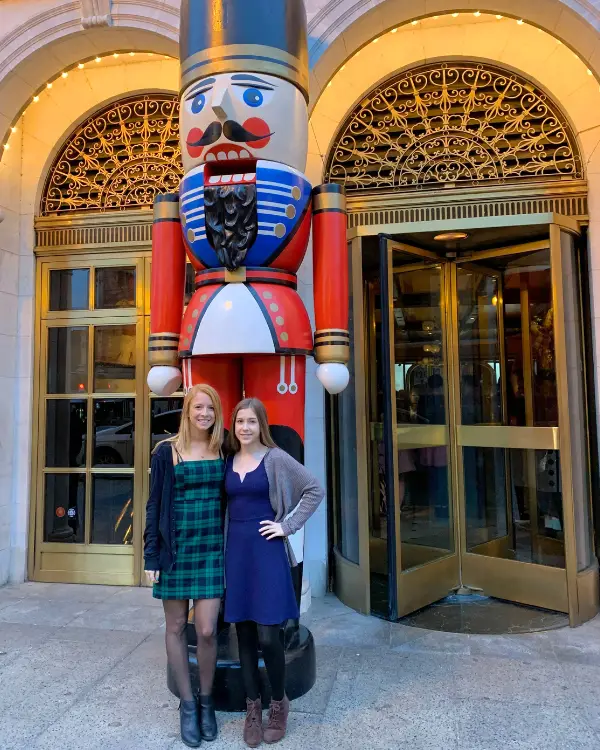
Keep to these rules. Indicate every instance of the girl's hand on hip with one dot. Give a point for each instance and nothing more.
(271, 530)
(153, 575)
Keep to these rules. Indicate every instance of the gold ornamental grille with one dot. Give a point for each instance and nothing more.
(453, 124)
(118, 159)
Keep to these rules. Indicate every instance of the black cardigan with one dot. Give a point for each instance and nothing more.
(158, 535)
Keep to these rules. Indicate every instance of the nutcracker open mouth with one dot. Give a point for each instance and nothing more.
(229, 164)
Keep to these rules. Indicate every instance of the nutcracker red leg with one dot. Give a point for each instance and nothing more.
(224, 374)
(279, 382)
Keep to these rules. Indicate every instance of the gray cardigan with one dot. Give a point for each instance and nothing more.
(294, 493)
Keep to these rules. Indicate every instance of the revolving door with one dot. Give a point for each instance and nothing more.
(468, 360)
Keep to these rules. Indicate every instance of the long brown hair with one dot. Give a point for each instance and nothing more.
(182, 440)
(258, 408)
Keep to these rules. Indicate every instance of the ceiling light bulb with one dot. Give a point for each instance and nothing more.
(499, 18)
(65, 74)
(590, 72)
(115, 54)
(375, 40)
(48, 85)
(477, 13)
(36, 98)
(455, 15)
(394, 31)
(98, 59)
(13, 129)
(6, 146)
(81, 66)
(414, 23)
(131, 54)
(520, 21)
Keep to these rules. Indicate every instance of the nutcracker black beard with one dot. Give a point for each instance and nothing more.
(231, 222)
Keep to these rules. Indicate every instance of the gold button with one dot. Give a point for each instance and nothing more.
(274, 307)
(191, 235)
(279, 320)
(284, 337)
(195, 313)
(268, 295)
(186, 342)
(290, 212)
(203, 298)
(296, 193)
(190, 329)
(183, 219)
(280, 230)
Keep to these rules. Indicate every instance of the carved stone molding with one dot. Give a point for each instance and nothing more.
(96, 13)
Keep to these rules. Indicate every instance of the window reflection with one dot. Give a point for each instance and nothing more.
(114, 288)
(68, 360)
(114, 432)
(112, 509)
(69, 289)
(114, 359)
(66, 427)
(64, 508)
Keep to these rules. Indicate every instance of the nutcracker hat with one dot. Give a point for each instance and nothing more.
(244, 36)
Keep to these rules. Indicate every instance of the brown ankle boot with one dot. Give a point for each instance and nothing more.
(253, 731)
(278, 716)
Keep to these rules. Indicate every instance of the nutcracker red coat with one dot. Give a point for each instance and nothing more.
(243, 217)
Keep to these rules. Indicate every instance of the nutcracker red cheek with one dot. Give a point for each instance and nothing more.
(194, 136)
(258, 127)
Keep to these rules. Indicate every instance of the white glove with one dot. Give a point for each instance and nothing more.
(163, 381)
(334, 376)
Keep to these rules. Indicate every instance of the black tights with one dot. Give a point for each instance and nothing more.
(206, 613)
(270, 637)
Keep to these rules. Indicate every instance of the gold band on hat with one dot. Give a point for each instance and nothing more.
(166, 210)
(250, 58)
(325, 201)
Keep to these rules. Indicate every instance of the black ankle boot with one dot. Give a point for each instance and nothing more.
(208, 720)
(188, 720)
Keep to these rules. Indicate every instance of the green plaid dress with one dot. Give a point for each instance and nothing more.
(197, 572)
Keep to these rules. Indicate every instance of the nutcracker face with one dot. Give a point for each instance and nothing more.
(229, 121)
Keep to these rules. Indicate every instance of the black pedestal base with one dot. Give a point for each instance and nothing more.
(228, 693)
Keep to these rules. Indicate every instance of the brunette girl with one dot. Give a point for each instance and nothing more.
(183, 549)
(269, 497)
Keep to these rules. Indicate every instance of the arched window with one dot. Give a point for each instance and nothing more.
(120, 158)
(453, 124)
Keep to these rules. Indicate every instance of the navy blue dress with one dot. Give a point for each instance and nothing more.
(257, 571)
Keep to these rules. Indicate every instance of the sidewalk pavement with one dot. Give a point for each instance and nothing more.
(83, 668)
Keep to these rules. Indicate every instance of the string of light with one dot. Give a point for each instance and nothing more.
(477, 14)
(89, 62)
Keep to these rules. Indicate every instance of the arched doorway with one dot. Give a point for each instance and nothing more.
(95, 423)
(465, 186)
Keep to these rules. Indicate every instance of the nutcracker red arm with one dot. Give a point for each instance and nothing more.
(168, 282)
(330, 269)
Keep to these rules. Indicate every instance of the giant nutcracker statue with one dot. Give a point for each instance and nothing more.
(243, 216)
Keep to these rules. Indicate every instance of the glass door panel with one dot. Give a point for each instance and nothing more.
(412, 439)
(91, 357)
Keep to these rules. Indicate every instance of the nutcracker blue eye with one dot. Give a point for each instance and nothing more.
(253, 97)
(198, 103)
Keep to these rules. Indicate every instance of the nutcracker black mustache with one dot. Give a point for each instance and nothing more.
(232, 130)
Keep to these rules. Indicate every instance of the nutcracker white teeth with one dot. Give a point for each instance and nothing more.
(243, 215)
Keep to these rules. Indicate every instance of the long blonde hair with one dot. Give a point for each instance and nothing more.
(258, 408)
(183, 439)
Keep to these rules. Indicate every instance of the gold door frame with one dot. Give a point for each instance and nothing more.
(88, 563)
(568, 589)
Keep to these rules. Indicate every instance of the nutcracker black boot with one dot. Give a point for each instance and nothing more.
(188, 720)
